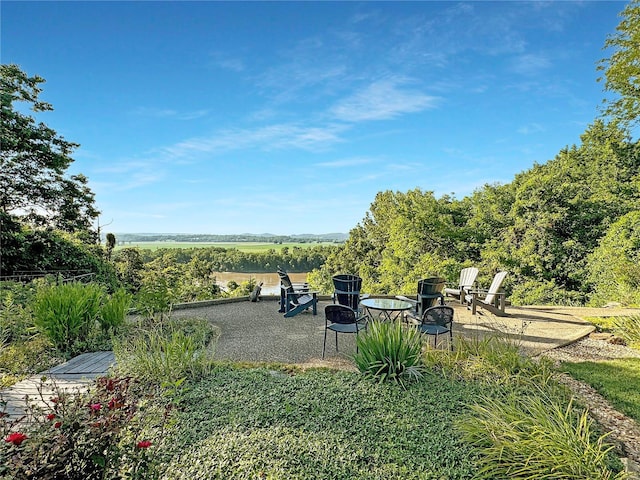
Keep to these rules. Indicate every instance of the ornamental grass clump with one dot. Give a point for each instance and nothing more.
(389, 352)
(113, 311)
(534, 437)
(489, 359)
(166, 353)
(628, 328)
(68, 312)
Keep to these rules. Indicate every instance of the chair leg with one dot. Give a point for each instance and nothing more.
(324, 344)
(336, 341)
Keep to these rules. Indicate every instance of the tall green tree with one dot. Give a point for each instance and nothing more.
(622, 68)
(562, 208)
(404, 237)
(34, 160)
(614, 266)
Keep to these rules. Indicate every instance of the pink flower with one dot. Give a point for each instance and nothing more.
(16, 438)
(57, 425)
(95, 407)
(51, 416)
(144, 444)
(113, 403)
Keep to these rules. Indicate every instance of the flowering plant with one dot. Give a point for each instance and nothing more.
(85, 436)
(16, 438)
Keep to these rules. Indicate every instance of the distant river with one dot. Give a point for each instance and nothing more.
(271, 281)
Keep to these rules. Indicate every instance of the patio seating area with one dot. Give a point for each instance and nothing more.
(257, 332)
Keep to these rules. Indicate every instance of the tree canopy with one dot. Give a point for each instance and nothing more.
(34, 160)
(543, 228)
(622, 68)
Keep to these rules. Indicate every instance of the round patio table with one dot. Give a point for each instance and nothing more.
(385, 308)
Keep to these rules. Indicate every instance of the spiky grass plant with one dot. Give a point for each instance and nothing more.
(67, 313)
(489, 358)
(164, 355)
(114, 310)
(628, 328)
(389, 352)
(535, 437)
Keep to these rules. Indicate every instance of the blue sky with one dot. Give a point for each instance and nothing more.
(234, 117)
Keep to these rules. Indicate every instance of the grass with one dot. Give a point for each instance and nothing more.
(535, 436)
(616, 380)
(242, 246)
(167, 352)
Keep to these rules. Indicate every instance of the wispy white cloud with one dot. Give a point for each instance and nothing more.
(169, 113)
(279, 136)
(346, 162)
(530, 64)
(233, 64)
(139, 179)
(531, 128)
(382, 100)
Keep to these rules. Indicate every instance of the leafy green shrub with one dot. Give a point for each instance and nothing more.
(387, 351)
(534, 292)
(532, 437)
(628, 328)
(614, 266)
(68, 312)
(21, 359)
(165, 353)
(114, 310)
(102, 435)
(154, 298)
(16, 320)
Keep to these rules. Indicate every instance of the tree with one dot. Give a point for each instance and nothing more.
(34, 160)
(622, 68)
(614, 266)
(562, 208)
(111, 244)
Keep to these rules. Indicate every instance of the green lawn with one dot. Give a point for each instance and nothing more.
(616, 380)
(242, 246)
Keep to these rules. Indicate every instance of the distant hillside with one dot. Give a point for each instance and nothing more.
(242, 237)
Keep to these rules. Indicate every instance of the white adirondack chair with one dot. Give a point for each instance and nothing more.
(465, 284)
(492, 299)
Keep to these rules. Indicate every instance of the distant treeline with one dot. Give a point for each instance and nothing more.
(189, 274)
(244, 237)
(215, 259)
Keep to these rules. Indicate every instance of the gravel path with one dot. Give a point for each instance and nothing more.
(624, 430)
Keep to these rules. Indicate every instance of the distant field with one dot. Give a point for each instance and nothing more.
(242, 246)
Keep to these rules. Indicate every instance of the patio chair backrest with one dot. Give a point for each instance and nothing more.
(340, 314)
(429, 291)
(285, 281)
(468, 277)
(496, 284)
(347, 289)
(441, 315)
